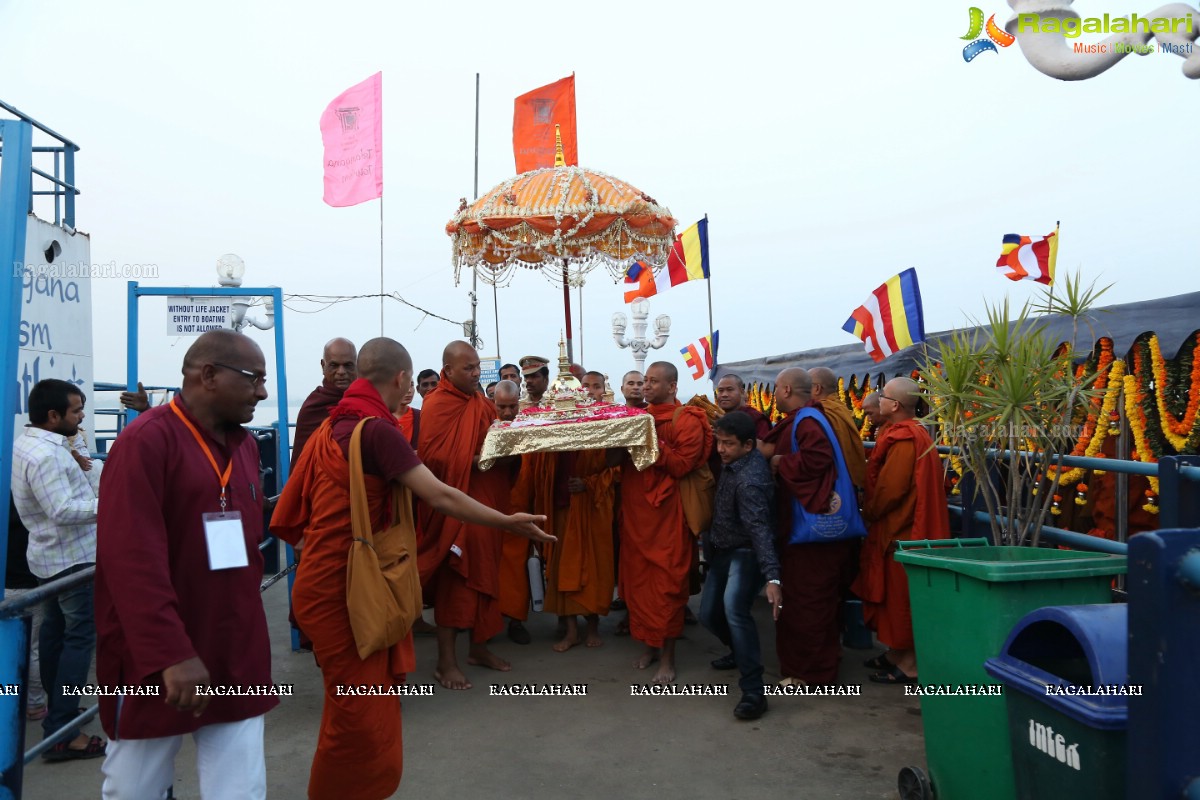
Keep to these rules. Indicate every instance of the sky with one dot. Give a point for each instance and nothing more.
(830, 149)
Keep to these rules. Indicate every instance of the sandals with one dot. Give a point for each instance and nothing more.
(879, 662)
(894, 676)
(61, 752)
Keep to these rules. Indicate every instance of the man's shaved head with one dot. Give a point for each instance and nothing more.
(593, 384)
(224, 376)
(507, 400)
(338, 344)
(382, 359)
(338, 363)
(824, 382)
(731, 393)
(903, 394)
(870, 406)
(461, 365)
(662, 380)
(793, 390)
(222, 345)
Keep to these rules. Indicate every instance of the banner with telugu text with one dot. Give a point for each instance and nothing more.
(352, 131)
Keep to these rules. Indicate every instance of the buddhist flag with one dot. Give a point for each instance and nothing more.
(352, 130)
(701, 357)
(892, 318)
(688, 261)
(534, 116)
(1029, 257)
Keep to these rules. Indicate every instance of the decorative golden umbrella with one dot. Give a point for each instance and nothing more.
(564, 221)
(560, 217)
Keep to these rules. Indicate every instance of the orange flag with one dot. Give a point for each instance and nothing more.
(534, 116)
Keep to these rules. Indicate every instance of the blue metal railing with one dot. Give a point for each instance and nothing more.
(64, 191)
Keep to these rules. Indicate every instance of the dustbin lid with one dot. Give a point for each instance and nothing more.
(1089, 643)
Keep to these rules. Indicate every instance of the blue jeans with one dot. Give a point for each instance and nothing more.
(66, 644)
(732, 583)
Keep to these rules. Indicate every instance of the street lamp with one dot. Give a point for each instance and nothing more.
(230, 270)
(638, 343)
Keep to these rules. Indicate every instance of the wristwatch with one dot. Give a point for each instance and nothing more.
(774, 581)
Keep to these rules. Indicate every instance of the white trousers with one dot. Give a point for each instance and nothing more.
(229, 758)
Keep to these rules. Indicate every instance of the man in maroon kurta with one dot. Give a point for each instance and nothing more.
(338, 368)
(167, 617)
(812, 576)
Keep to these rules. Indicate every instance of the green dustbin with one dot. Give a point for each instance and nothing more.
(966, 596)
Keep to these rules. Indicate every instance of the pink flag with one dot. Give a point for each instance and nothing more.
(352, 130)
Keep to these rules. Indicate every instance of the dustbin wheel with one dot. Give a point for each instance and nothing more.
(913, 784)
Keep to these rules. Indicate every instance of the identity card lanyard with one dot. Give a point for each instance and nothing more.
(223, 530)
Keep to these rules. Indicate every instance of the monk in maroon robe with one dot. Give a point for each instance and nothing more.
(167, 616)
(812, 576)
(338, 366)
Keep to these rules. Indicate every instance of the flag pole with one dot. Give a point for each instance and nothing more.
(708, 281)
(381, 262)
(475, 269)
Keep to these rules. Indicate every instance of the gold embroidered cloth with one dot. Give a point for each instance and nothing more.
(635, 433)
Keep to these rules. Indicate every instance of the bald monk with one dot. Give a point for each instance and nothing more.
(409, 418)
(870, 406)
(514, 556)
(813, 575)
(579, 568)
(840, 418)
(656, 545)
(632, 389)
(359, 749)
(338, 371)
(905, 500)
(460, 570)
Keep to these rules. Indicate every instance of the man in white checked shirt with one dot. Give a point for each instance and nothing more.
(57, 504)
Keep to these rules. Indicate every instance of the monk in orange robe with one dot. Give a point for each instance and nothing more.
(656, 545)
(359, 748)
(514, 553)
(460, 569)
(579, 568)
(905, 501)
(409, 419)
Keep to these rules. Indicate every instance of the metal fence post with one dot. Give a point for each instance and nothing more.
(1178, 497)
(1164, 648)
(14, 663)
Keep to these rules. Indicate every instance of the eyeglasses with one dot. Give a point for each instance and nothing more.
(256, 379)
(883, 396)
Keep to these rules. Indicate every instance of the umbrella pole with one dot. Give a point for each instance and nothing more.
(567, 310)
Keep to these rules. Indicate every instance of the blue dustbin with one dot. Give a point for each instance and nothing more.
(1064, 673)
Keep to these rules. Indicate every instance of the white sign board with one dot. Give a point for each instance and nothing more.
(192, 316)
(489, 371)
(55, 335)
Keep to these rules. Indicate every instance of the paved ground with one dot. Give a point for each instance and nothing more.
(465, 745)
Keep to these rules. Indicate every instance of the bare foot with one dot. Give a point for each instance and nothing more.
(482, 657)
(451, 678)
(567, 643)
(646, 658)
(665, 674)
(593, 631)
(594, 640)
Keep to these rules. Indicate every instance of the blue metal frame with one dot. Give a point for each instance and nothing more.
(282, 438)
(131, 351)
(16, 178)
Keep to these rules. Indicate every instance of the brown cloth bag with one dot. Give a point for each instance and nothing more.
(698, 491)
(383, 586)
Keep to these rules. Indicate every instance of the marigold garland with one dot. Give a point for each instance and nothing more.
(1181, 431)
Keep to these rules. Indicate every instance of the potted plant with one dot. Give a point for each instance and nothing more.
(1007, 385)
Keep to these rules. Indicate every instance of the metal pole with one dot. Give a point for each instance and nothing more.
(567, 310)
(581, 323)
(16, 187)
(380, 266)
(496, 313)
(131, 345)
(475, 269)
